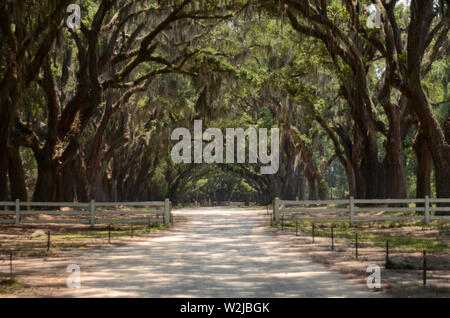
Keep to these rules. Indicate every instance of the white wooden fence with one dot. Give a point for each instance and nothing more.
(348, 210)
(87, 213)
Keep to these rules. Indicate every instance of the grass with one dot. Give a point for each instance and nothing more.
(116, 232)
(376, 235)
(24, 245)
(10, 285)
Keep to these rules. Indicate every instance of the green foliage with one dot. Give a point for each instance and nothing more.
(248, 69)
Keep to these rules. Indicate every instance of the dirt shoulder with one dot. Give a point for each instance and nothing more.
(41, 273)
(406, 280)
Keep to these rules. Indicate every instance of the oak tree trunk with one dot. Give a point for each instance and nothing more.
(16, 175)
(46, 184)
(424, 166)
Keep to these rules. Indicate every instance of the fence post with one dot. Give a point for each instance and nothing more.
(424, 267)
(352, 211)
(48, 241)
(427, 210)
(166, 212)
(171, 215)
(92, 213)
(10, 265)
(276, 210)
(388, 262)
(332, 238)
(17, 212)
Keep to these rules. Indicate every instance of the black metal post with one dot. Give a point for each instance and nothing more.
(424, 267)
(282, 222)
(387, 255)
(356, 245)
(109, 234)
(48, 241)
(11, 265)
(332, 238)
(313, 232)
(296, 227)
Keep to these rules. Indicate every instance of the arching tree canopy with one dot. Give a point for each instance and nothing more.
(87, 113)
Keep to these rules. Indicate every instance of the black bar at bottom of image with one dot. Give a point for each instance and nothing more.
(219, 307)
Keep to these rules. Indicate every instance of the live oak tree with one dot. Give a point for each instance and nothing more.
(340, 25)
(115, 55)
(89, 111)
(28, 30)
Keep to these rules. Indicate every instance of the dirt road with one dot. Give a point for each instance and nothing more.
(220, 252)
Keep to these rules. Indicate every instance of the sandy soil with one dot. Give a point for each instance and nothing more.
(404, 282)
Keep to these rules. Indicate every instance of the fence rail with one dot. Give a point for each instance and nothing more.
(88, 212)
(352, 207)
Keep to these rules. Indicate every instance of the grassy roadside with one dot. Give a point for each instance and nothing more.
(29, 244)
(32, 241)
(402, 276)
(402, 236)
(10, 286)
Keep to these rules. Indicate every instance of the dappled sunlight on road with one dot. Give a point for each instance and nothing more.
(220, 252)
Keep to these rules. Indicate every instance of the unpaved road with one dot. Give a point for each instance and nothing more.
(220, 252)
